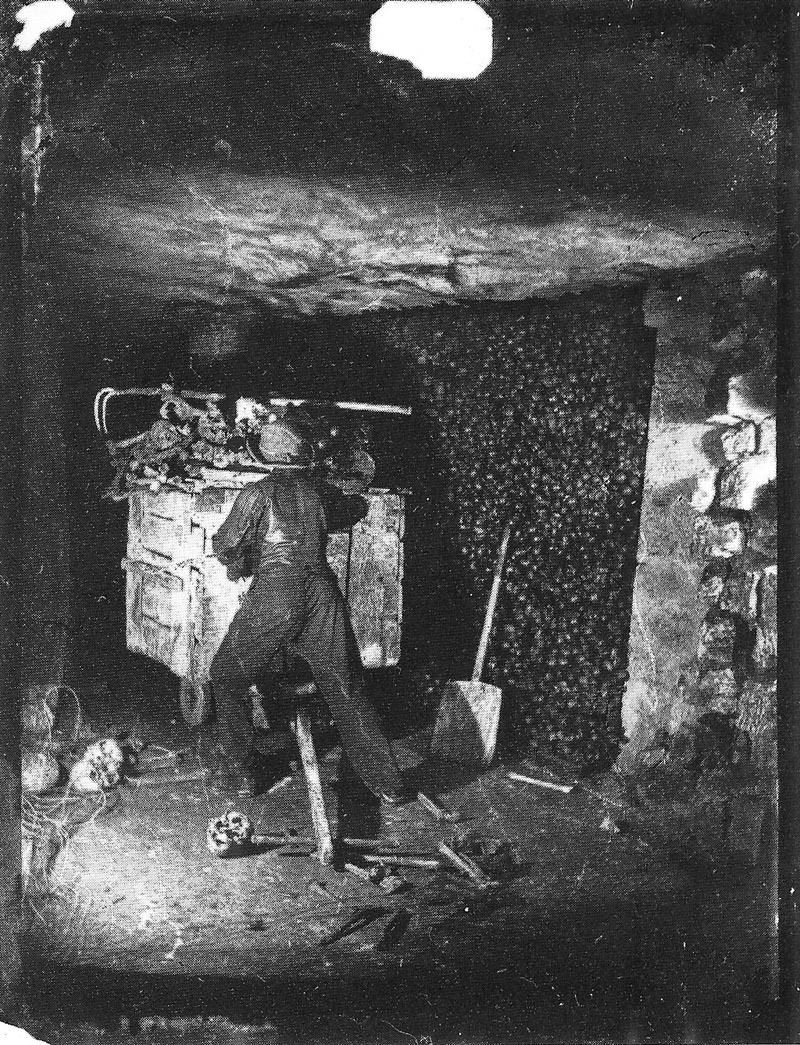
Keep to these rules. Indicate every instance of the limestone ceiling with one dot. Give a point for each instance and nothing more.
(297, 245)
(212, 170)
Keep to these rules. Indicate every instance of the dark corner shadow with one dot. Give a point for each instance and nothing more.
(359, 810)
(434, 775)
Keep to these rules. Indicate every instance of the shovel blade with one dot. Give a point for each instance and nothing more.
(466, 723)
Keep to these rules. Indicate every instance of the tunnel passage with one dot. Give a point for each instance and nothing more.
(534, 412)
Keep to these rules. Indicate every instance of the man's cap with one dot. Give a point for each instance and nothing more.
(278, 441)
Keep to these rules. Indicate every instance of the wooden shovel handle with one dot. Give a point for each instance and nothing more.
(483, 645)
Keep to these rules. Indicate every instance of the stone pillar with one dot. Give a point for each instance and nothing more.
(704, 633)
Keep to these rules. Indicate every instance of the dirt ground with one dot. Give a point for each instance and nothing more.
(597, 935)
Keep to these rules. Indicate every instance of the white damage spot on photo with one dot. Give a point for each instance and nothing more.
(17, 1036)
(444, 39)
(40, 17)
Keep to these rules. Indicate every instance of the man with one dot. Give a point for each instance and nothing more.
(277, 530)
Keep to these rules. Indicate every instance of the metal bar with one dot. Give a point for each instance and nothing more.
(374, 408)
(99, 410)
(103, 396)
(187, 394)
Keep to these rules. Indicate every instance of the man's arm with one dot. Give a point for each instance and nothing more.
(234, 541)
(342, 511)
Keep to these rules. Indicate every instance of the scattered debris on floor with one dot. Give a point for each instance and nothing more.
(405, 860)
(466, 865)
(437, 811)
(496, 857)
(407, 885)
(358, 920)
(548, 784)
(608, 823)
(394, 930)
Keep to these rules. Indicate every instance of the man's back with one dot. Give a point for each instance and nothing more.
(278, 520)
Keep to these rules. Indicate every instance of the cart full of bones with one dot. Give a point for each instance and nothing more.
(181, 477)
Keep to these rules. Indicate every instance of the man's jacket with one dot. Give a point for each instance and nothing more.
(283, 520)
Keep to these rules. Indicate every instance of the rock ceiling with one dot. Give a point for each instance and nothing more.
(223, 180)
(300, 245)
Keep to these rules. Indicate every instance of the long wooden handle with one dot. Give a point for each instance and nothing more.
(319, 818)
(483, 645)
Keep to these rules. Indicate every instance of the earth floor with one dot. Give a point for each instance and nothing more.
(597, 936)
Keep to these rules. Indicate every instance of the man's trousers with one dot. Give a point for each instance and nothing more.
(300, 609)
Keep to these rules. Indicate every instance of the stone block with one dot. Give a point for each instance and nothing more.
(719, 683)
(720, 536)
(739, 441)
(709, 658)
(765, 649)
(725, 639)
(758, 717)
(723, 705)
(768, 597)
(763, 535)
(766, 436)
(740, 594)
(718, 630)
(705, 490)
(745, 826)
(741, 483)
(714, 579)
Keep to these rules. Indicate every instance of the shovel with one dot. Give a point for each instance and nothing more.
(469, 712)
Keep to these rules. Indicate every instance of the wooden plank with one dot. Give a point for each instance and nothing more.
(366, 585)
(393, 580)
(135, 639)
(158, 615)
(135, 502)
(161, 537)
(375, 580)
(217, 602)
(159, 527)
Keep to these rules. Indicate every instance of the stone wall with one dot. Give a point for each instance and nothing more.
(703, 633)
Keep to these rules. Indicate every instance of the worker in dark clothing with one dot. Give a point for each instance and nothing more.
(277, 530)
